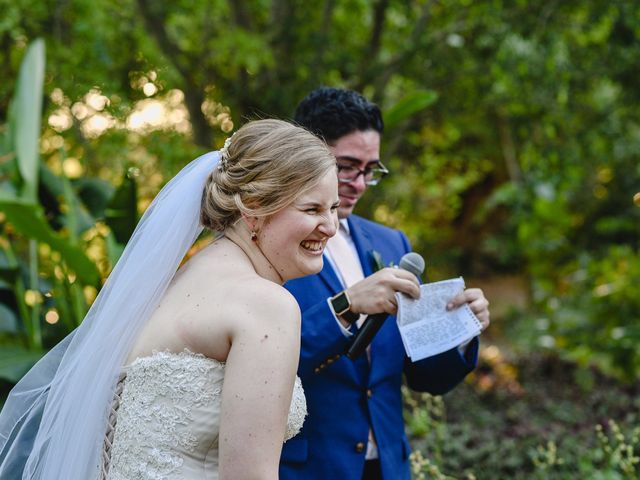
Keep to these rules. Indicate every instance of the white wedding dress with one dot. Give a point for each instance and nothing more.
(166, 419)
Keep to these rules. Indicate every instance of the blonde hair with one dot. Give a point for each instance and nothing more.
(265, 166)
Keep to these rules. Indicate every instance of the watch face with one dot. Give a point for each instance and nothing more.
(340, 303)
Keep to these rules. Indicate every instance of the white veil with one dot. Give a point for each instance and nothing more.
(53, 423)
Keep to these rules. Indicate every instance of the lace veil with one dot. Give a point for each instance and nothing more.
(52, 425)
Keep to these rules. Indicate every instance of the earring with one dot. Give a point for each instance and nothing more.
(254, 236)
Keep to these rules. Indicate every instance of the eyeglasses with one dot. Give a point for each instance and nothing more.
(348, 173)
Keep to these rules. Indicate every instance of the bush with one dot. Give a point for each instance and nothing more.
(590, 314)
(537, 424)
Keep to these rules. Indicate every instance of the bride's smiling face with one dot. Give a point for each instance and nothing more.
(293, 239)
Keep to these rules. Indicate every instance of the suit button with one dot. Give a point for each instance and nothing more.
(316, 370)
(369, 393)
(360, 447)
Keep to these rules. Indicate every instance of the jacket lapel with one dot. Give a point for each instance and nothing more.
(330, 277)
(362, 241)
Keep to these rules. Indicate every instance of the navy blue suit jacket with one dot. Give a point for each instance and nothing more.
(345, 397)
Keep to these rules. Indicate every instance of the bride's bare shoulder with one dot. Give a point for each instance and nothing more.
(222, 271)
(258, 297)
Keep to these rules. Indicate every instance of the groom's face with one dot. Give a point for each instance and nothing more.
(360, 150)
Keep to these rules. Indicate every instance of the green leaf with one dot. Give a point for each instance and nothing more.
(95, 194)
(76, 218)
(9, 274)
(8, 319)
(376, 260)
(122, 211)
(30, 221)
(16, 361)
(114, 249)
(408, 106)
(86, 199)
(26, 111)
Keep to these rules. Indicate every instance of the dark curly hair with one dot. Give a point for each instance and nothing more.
(332, 113)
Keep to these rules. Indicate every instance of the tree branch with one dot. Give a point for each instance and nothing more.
(380, 76)
(154, 21)
(508, 148)
(240, 14)
(371, 56)
(284, 28)
(379, 11)
(322, 39)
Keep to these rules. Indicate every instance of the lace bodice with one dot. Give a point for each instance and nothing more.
(168, 418)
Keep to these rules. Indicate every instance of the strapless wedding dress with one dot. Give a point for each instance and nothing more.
(166, 419)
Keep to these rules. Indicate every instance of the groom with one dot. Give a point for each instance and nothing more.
(355, 428)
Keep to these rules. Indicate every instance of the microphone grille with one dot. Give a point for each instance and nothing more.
(412, 262)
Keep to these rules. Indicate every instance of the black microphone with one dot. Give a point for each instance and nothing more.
(411, 262)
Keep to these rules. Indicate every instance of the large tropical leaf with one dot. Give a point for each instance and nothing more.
(114, 248)
(85, 198)
(76, 218)
(8, 273)
(122, 211)
(16, 361)
(408, 106)
(26, 113)
(8, 319)
(30, 221)
(95, 194)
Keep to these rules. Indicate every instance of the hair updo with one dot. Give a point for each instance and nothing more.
(264, 167)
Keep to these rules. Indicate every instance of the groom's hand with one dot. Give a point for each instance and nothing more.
(376, 293)
(476, 300)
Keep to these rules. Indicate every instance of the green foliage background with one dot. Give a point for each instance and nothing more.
(512, 135)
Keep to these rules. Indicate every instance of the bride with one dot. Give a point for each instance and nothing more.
(189, 373)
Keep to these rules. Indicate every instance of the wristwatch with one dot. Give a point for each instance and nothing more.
(342, 307)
